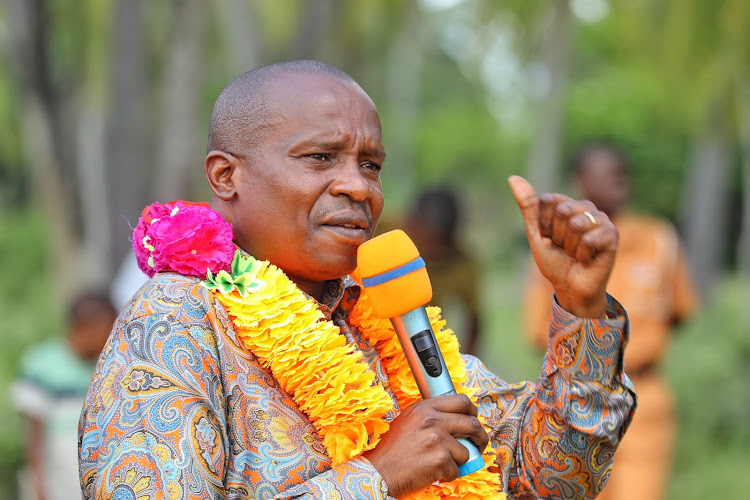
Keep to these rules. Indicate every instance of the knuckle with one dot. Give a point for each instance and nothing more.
(577, 223)
(432, 439)
(589, 239)
(429, 422)
(450, 471)
(423, 409)
(477, 428)
(443, 457)
(565, 208)
(546, 198)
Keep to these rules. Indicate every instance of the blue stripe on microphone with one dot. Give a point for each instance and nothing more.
(393, 274)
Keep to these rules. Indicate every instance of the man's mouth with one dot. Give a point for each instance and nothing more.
(354, 228)
(350, 226)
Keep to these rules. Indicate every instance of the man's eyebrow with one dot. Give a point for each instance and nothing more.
(377, 152)
(318, 141)
(328, 142)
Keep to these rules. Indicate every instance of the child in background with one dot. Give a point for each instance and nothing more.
(53, 381)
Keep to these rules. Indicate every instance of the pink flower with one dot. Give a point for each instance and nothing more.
(187, 238)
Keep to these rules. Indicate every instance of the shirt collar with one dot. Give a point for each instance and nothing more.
(339, 297)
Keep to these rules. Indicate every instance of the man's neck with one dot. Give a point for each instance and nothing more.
(314, 289)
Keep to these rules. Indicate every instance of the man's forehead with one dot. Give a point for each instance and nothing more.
(296, 86)
(299, 100)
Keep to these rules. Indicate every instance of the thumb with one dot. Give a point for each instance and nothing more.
(528, 202)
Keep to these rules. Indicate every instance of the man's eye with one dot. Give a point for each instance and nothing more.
(320, 156)
(372, 166)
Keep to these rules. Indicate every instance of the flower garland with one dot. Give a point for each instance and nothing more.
(327, 378)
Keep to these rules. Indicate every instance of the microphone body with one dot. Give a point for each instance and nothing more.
(396, 281)
(423, 353)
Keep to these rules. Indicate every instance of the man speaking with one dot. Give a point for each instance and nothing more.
(252, 366)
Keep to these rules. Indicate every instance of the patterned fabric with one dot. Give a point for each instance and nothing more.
(650, 277)
(177, 409)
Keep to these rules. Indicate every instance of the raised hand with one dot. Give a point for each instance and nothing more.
(573, 244)
(421, 447)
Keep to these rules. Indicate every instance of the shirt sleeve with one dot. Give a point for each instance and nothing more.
(556, 439)
(354, 479)
(30, 399)
(153, 423)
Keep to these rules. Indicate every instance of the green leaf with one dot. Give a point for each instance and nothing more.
(243, 280)
(242, 289)
(236, 263)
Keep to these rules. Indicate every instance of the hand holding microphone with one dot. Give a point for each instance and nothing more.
(439, 438)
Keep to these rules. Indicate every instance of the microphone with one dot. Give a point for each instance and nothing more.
(396, 281)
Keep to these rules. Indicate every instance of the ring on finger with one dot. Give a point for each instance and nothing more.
(591, 217)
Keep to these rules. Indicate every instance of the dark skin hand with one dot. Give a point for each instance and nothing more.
(576, 254)
(421, 447)
(573, 252)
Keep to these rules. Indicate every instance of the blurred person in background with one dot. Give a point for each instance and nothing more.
(53, 381)
(433, 224)
(651, 278)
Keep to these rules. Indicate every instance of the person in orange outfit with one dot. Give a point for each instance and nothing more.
(652, 280)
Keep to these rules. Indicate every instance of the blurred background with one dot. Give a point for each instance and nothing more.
(104, 106)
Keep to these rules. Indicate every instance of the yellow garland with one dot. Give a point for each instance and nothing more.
(330, 380)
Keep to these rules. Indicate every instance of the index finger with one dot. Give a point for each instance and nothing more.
(454, 403)
(528, 202)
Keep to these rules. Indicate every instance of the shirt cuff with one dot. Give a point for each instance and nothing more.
(356, 478)
(588, 349)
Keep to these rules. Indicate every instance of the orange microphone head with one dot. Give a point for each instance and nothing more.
(393, 274)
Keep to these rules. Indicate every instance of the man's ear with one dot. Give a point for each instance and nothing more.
(221, 170)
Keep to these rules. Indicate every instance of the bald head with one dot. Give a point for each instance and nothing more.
(242, 110)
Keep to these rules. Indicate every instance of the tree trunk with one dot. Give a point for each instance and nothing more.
(743, 244)
(182, 135)
(403, 75)
(545, 158)
(316, 24)
(128, 141)
(93, 193)
(242, 44)
(29, 36)
(706, 208)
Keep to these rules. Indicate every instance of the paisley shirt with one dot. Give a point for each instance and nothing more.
(178, 409)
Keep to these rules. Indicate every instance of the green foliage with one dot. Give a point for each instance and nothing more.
(29, 314)
(708, 367)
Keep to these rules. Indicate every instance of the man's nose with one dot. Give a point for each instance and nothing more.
(350, 180)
